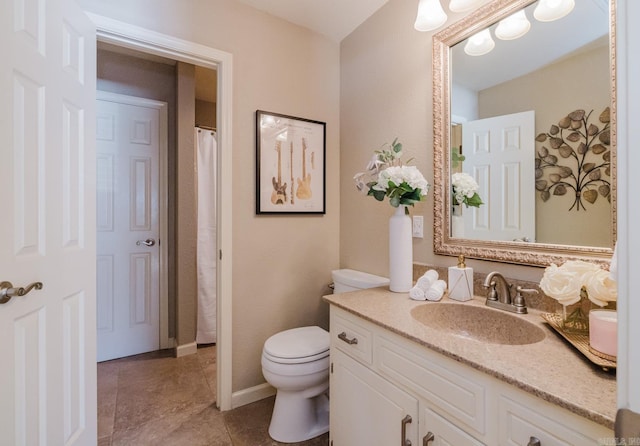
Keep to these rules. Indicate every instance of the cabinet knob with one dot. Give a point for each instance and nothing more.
(533, 441)
(406, 420)
(428, 438)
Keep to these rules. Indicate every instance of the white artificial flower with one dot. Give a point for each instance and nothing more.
(464, 186)
(564, 283)
(385, 168)
(402, 174)
(601, 289)
(561, 285)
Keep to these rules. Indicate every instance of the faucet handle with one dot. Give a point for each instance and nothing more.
(492, 294)
(518, 301)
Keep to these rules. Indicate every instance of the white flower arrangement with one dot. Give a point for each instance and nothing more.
(387, 176)
(465, 190)
(576, 279)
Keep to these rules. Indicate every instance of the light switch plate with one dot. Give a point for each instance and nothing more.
(418, 226)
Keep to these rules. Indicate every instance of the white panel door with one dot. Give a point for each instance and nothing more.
(47, 229)
(499, 153)
(128, 258)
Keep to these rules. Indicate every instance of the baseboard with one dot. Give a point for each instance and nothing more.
(251, 395)
(186, 349)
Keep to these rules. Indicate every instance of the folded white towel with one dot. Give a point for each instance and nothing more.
(432, 275)
(424, 283)
(436, 291)
(417, 293)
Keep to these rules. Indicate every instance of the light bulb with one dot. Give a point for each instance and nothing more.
(550, 10)
(430, 15)
(514, 26)
(462, 5)
(479, 44)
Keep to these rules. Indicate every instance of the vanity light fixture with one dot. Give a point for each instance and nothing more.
(513, 27)
(430, 15)
(479, 44)
(550, 10)
(462, 5)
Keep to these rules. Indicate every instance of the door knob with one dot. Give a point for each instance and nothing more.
(147, 242)
(7, 291)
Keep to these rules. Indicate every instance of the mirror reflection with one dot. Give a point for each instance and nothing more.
(530, 123)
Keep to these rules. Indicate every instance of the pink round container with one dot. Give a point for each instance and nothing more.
(603, 331)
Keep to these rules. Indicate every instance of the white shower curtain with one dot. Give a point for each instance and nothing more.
(206, 149)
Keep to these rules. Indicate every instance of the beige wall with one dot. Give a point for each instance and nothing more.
(206, 113)
(281, 264)
(579, 82)
(186, 212)
(386, 86)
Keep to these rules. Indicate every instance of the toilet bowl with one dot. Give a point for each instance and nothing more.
(296, 363)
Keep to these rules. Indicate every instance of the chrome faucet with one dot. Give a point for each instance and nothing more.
(499, 294)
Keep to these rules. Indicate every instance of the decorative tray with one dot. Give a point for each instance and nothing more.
(581, 342)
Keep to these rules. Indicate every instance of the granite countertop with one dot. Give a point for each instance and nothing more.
(550, 369)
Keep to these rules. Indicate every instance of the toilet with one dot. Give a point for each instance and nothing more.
(296, 363)
(345, 280)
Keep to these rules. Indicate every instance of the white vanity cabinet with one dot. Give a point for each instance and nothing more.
(370, 410)
(388, 390)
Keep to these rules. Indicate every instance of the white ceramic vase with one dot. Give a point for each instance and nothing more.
(400, 252)
(457, 222)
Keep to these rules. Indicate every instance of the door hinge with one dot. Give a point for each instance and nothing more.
(220, 254)
(332, 367)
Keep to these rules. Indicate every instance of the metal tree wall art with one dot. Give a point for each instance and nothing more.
(577, 159)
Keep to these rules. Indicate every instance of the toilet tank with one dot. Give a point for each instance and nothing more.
(350, 280)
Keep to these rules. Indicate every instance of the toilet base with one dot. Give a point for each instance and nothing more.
(296, 418)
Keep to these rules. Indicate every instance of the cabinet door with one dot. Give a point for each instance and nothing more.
(367, 409)
(522, 417)
(441, 431)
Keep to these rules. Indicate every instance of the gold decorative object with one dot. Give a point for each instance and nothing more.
(579, 341)
(570, 157)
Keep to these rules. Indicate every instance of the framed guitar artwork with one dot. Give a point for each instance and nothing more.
(290, 164)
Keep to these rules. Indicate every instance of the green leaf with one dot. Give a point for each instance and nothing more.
(394, 201)
(474, 201)
(377, 194)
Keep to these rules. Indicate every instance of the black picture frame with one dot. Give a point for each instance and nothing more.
(290, 164)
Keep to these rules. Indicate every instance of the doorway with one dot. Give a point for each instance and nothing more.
(128, 36)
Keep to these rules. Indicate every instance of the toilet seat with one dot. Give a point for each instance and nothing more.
(297, 345)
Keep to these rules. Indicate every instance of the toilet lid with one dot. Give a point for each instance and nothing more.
(300, 342)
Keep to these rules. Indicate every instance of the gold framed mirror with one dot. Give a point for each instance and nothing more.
(570, 199)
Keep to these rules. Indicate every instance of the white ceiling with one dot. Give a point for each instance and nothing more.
(335, 19)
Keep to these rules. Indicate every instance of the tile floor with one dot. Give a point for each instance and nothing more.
(154, 399)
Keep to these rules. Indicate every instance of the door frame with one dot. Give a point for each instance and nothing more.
(140, 39)
(163, 282)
